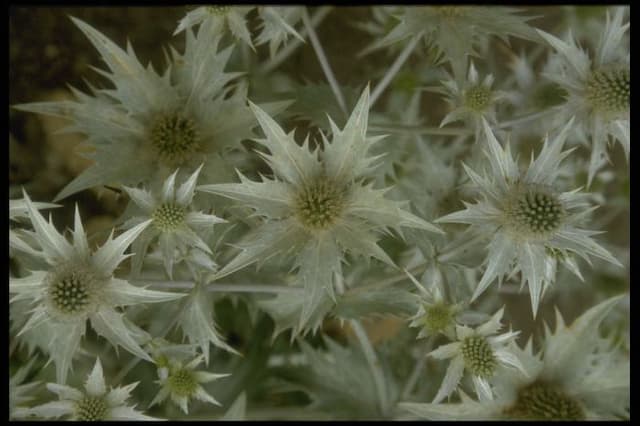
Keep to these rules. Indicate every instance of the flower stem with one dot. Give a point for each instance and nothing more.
(326, 68)
(217, 287)
(374, 364)
(393, 70)
(525, 118)
(413, 378)
(291, 47)
(425, 130)
(455, 251)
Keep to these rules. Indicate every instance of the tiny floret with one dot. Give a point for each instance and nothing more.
(91, 408)
(542, 401)
(73, 290)
(438, 317)
(478, 356)
(168, 216)
(182, 382)
(478, 97)
(174, 137)
(320, 204)
(533, 211)
(218, 10)
(609, 90)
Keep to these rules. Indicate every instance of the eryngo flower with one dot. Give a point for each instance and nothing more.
(456, 31)
(435, 314)
(532, 225)
(77, 286)
(95, 403)
(471, 100)
(317, 205)
(150, 123)
(174, 222)
(182, 382)
(277, 23)
(575, 376)
(479, 352)
(599, 88)
(220, 17)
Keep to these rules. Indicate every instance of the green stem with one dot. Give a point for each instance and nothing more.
(417, 371)
(374, 365)
(217, 287)
(393, 70)
(456, 250)
(413, 378)
(324, 63)
(526, 118)
(425, 130)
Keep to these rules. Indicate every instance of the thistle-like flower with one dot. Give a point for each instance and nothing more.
(182, 383)
(599, 88)
(317, 205)
(220, 17)
(575, 376)
(531, 224)
(150, 124)
(277, 25)
(78, 286)
(456, 31)
(435, 315)
(471, 101)
(92, 404)
(174, 222)
(478, 352)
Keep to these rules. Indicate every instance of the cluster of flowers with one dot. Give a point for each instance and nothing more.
(323, 207)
